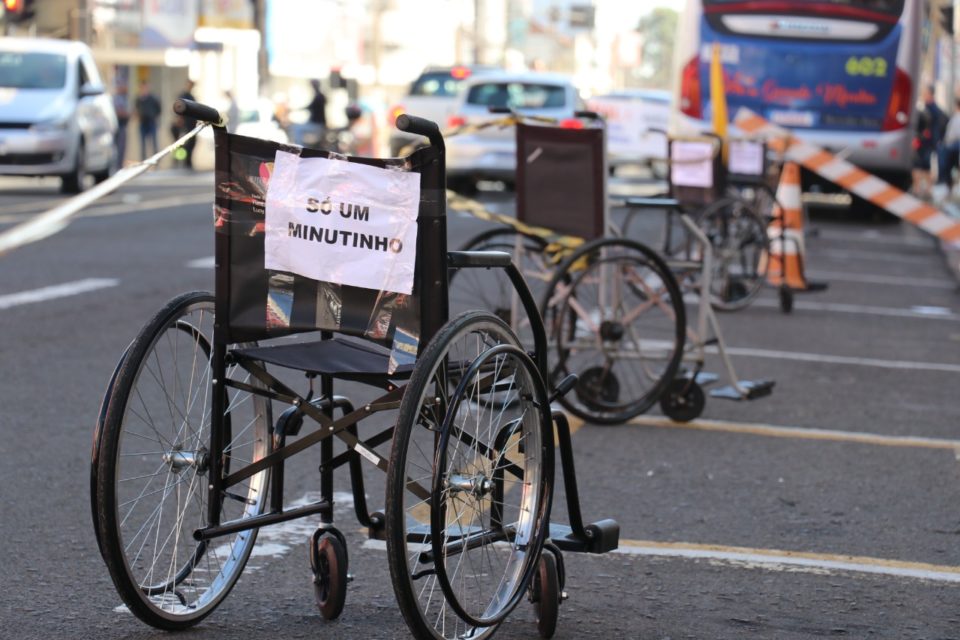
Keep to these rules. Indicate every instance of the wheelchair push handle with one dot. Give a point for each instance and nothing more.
(421, 127)
(197, 111)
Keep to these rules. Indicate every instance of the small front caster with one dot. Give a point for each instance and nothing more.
(683, 400)
(545, 595)
(328, 559)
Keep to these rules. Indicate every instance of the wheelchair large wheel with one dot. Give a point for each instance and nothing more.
(470, 481)
(738, 235)
(491, 289)
(616, 319)
(153, 462)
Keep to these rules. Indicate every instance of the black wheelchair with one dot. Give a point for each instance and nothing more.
(219, 389)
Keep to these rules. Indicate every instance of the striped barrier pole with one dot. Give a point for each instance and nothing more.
(856, 181)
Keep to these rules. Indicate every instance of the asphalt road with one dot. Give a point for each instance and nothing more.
(827, 509)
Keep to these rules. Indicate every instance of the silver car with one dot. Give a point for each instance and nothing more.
(55, 117)
(490, 154)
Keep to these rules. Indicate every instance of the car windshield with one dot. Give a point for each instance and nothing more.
(439, 83)
(22, 70)
(517, 95)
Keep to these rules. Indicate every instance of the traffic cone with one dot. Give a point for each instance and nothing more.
(784, 260)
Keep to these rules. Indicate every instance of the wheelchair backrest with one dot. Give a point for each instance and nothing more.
(254, 302)
(561, 179)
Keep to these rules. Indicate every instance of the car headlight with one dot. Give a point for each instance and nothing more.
(56, 125)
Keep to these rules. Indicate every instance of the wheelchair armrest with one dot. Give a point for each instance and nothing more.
(468, 259)
(655, 202)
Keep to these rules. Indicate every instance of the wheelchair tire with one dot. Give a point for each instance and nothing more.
(452, 578)
(491, 289)
(153, 458)
(615, 316)
(738, 235)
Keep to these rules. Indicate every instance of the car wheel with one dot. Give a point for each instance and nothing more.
(73, 182)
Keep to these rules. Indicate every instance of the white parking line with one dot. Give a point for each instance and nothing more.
(56, 291)
(865, 278)
(822, 358)
(202, 263)
(926, 313)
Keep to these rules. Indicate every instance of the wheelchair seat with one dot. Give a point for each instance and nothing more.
(340, 357)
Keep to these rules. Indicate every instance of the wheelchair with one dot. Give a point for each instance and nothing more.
(218, 390)
(614, 312)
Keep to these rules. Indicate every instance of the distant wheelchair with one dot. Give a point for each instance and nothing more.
(218, 390)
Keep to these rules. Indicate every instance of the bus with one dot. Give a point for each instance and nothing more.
(840, 74)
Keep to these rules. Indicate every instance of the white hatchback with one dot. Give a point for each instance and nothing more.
(55, 117)
(490, 153)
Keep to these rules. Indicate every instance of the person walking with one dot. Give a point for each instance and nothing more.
(121, 105)
(317, 124)
(147, 107)
(931, 123)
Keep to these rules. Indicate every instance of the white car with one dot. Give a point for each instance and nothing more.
(55, 117)
(490, 154)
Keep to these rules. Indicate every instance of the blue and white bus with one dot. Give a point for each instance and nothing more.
(842, 74)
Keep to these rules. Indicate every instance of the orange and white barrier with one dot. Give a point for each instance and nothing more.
(783, 263)
(855, 180)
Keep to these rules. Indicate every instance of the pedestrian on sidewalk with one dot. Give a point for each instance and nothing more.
(121, 105)
(147, 107)
(931, 123)
(948, 156)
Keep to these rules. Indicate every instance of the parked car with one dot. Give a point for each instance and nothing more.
(637, 122)
(55, 117)
(490, 154)
(432, 96)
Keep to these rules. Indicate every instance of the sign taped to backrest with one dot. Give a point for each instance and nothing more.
(342, 222)
(261, 302)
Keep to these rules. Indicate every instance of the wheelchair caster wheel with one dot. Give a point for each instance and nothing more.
(683, 400)
(329, 564)
(545, 595)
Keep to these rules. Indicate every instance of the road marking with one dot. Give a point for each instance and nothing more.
(820, 358)
(839, 276)
(927, 313)
(203, 263)
(147, 205)
(56, 291)
(792, 560)
(800, 433)
(774, 559)
(884, 256)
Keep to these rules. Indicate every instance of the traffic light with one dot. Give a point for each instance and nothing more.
(946, 18)
(18, 10)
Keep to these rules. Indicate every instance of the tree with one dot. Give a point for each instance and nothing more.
(658, 30)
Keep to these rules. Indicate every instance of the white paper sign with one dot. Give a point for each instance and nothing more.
(691, 163)
(746, 157)
(342, 222)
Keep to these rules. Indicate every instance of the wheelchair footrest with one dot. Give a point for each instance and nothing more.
(602, 536)
(754, 389)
